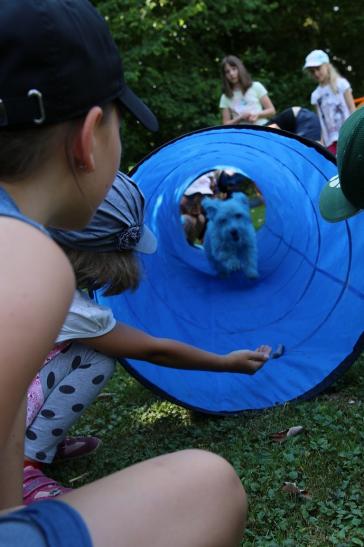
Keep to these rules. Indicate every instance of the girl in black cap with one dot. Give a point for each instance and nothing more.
(60, 87)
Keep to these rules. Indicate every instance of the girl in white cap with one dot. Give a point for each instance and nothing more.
(333, 97)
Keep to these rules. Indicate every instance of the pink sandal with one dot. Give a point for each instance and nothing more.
(37, 486)
(76, 447)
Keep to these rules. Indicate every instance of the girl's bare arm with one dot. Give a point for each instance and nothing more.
(267, 112)
(226, 117)
(125, 341)
(350, 100)
(36, 287)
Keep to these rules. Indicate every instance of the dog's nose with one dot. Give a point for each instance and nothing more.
(234, 234)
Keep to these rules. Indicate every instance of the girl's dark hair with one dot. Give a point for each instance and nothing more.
(235, 182)
(24, 150)
(244, 77)
(115, 271)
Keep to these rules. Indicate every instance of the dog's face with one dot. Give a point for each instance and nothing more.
(230, 240)
(229, 217)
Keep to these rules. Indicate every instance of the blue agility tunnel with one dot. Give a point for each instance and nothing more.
(309, 296)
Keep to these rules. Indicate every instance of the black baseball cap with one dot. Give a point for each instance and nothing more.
(286, 120)
(58, 60)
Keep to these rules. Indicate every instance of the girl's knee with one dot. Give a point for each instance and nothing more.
(208, 460)
(219, 471)
(214, 478)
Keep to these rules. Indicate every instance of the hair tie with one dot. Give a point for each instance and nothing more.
(127, 239)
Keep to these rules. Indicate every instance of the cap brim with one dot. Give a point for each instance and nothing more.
(136, 107)
(333, 204)
(147, 243)
(311, 65)
(206, 192)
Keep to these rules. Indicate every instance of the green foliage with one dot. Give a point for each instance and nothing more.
(172, 51)
(327, 460)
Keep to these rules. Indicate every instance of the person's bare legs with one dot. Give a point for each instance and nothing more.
(190, 498)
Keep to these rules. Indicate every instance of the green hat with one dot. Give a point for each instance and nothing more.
(343, 196)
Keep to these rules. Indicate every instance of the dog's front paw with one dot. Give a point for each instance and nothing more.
(251, 274)
(232, 265)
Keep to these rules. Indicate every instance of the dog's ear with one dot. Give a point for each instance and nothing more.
(240, 197)
(210, 207)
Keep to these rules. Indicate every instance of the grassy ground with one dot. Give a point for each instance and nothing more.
(327, 460)
(258, 216)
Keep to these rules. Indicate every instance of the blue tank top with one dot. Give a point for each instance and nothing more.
(8, 208)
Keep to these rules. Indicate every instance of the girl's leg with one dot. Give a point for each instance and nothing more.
(37, 285)
(70, 382)
(186, 499)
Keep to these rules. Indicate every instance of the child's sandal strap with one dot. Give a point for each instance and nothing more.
(37, 486)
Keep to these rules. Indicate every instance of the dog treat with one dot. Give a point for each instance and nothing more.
(278, 352)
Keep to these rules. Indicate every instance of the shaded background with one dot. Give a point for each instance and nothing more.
(172, 52)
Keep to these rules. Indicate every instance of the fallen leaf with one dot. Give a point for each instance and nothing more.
(106, 396)
(282, 436)
(292, 488)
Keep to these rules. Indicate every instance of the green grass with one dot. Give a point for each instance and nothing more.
(258, 216)
(328, 460)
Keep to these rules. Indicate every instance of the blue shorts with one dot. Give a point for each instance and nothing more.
(47, 523)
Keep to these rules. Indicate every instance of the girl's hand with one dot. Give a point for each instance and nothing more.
(244, 116)
(252, 118)
(246, 361)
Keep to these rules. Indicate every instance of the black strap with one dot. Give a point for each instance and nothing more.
(25, 110)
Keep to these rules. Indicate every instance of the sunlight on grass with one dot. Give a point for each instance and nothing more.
(327, 460)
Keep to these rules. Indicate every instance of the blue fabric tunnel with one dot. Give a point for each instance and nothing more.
(309, 296)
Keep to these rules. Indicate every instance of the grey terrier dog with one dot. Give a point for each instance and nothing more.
(230, 240)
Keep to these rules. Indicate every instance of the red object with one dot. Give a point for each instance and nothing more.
(76, 447)
(37, 486)
(332, 148)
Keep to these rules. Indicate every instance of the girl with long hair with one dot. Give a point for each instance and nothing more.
(243, 100)
(333, 97)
